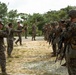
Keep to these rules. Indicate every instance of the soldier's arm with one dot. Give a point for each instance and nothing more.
(3, 33)
(17, 31)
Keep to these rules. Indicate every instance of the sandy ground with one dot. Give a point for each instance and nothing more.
(34, 58)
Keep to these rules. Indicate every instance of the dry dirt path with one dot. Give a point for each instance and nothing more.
(34, 58)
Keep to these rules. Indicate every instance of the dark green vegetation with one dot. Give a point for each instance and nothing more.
(37, 18)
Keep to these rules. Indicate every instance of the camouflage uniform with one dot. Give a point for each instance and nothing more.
(19, 35)
(70, 38)
(53, 38)
(2, 53)
(45, 31)
(25, 28)
(10, 31)
(59, 31)
(48, 31)
(33, 32)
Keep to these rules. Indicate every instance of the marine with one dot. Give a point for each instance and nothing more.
(10, 38)
(69, 36)
(2, 50)
(33, 32)
(19, 34)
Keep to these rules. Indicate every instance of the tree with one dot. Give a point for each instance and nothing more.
(3, 12)
(12, 17)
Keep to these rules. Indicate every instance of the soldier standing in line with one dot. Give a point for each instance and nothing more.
(60, 46)
(53, 36)
(19, 34)
(33, 32)
(71, 47)
(44, 31)
(70, 37)
(2, 49)
(48, 31)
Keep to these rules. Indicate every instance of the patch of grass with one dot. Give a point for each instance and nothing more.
(46, 73)
(17, 56)
(9, 60)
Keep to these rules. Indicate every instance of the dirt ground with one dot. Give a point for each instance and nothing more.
(34, 58)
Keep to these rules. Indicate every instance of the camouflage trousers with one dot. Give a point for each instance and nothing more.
(71, 60)
(33, 36)
(19, 39)
(9, 47)
(2, 59)
(71, 65)
(55, 45)
(25, 35)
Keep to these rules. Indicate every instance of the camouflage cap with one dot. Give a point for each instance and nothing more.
(72, 13)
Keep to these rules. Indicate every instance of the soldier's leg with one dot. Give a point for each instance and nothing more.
(72, 66)
(54, 49)
(17, 40)
(32, 37)
(3, 66)
(25, 35)
(10, 47)
(3, 62)
(20, 39)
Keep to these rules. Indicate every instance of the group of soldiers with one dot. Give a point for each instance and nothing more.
(8, 33)
(62, 36)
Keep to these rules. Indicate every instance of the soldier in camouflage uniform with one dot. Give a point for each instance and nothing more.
(45, 31)
(71, 47)
(48, 31)
(70, 37)
(53, 36)
(19, 34)
(10, 31)
(2, 49)
(61, 45)
(33, 32)
(25, 29)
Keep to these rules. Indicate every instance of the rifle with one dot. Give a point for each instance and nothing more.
(57, 55)
(62, 54)
(60, 49)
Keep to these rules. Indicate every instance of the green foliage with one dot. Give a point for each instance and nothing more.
(38, 19)
(3, 10)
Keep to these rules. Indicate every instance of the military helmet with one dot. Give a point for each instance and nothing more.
(72, 13)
